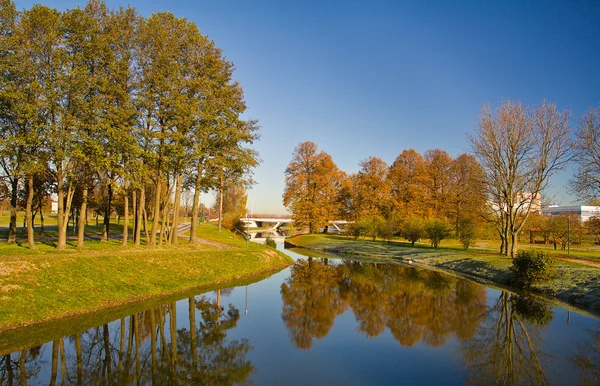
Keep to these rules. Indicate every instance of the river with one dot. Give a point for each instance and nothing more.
(322, 321)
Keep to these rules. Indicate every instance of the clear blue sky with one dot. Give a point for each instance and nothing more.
(373, 78)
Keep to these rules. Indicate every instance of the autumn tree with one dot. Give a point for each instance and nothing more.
(311, 186)
(519, 150)
(586, 182)
(407, 181)
(372, 191)
(466, 195)
(437, 183)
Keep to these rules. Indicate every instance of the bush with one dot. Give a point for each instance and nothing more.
(437, 230)
(466, 233)
(270, 242)
(413, 229)
(533, 266)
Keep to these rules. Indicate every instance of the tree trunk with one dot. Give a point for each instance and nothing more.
(42, 220)
(196, 206)
(64, 208)
(139, 216)
(29, 214)
(176, 205)
(156, 214)
(221, 183)
(513, 245)
(125, 219)
(134, 206)
(14, 195)
(81, 223)
(107, 213)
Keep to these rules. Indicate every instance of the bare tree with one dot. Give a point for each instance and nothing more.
(586, 182)
(519, 149)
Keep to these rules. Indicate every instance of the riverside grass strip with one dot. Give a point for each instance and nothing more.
(574, 282)
(49, 285)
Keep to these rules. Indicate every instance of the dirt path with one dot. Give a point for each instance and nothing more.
(589, 263)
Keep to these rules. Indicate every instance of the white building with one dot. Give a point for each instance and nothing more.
(584, 211)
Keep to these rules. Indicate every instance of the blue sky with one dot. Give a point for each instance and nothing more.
(373, 78)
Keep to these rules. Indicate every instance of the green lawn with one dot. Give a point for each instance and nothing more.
(47, 284)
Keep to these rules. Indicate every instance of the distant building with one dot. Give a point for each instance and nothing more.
(583, 211)
(54, 203)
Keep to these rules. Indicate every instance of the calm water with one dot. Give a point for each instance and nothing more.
(327, 321)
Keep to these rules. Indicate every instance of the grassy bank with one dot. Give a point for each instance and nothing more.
(574, 283)
(45, 284)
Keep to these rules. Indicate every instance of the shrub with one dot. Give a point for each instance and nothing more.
(413, 229)
(466, 233)
(437, 230)
(270, 242)
(533, 266)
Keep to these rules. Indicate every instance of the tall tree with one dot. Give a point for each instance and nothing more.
(311, 186)
(407, 179)
(437, 171)
(519, 150)
(586, 182)
(372, 189)
(466, 194)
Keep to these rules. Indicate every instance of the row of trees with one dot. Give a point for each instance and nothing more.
(381, 198)
(144, 106)
(516, 150)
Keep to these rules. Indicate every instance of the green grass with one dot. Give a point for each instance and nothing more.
(46, 284)
(575, 283)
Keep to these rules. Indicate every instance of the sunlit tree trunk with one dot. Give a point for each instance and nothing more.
(134, 211)
(125, 219)
(29, 214)
(196, 206)
(12, 226)
(107, 210)
(138, 218)
(176, 206)
(81, 223)
(221, 185)
(64, 207)
(157, 211)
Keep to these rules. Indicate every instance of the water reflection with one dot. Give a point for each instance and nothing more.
(416, 305)
(587, 360)
(143, 348)
(507, 349)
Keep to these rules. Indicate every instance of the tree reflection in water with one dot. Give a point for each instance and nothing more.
(416, 305)
(588, 359)
(505, 350)
(144, 348)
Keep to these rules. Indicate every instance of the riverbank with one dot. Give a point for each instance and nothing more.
(43, 285)
(574, 283)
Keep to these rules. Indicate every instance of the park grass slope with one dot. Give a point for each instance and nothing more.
(573, 283)
(47, 285)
